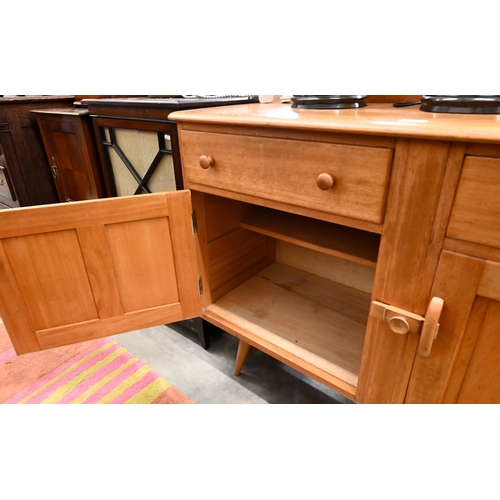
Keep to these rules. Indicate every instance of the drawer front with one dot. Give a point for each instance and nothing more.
(287, 171)
(475, 215)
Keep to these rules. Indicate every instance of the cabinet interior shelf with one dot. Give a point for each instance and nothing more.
(339, 241)
(311, 321)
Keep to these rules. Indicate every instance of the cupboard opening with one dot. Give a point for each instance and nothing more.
(296, 288)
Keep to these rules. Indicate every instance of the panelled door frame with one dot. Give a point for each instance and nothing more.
(85, 270)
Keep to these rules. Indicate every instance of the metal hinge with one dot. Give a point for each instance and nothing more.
(55, 169)
(195, 224)
(200, 285)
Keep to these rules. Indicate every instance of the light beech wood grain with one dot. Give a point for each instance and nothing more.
(481, 384)
(343, 271)
(476, 210)
(98, 268)
(430, 376)
(377, 119)
(338, 241)
(272, 169)
(412, 215)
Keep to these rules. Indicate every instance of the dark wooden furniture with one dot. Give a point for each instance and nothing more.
(137, 146)
(8, 197)
(24, 161)
(71, 151)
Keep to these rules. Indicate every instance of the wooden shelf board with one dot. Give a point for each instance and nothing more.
(295, 312)
(340, 241)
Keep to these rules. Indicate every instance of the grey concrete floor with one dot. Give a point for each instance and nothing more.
(206, 376)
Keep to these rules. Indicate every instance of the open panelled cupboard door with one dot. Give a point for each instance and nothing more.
(86, 270)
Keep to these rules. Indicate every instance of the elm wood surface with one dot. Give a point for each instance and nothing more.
(71, 153)
(24, 149)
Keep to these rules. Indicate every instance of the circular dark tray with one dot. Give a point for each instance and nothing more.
(461, 104)
(328, 101)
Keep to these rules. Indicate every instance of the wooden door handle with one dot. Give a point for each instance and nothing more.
(326, 181)
(206, 162)
(430, 328)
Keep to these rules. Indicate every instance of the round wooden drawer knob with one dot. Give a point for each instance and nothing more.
(326, 181)
(206, 162)
(399, 325)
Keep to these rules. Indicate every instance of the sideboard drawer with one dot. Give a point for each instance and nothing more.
(290, 171)
(476, 211)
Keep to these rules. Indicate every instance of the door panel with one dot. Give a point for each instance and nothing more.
(70, 155)
(463, 366)
(92, 269)
(129, 244)
(50, 271)
(481, 383)
(456, 282)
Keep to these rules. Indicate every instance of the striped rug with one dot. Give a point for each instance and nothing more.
(104, 373)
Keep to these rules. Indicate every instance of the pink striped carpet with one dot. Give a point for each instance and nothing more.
(96, 372)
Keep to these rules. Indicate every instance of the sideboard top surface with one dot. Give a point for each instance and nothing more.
(375, 119)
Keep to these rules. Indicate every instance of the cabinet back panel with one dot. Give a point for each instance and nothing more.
(339, 270)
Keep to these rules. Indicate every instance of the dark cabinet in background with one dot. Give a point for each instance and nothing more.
(71, 153)
(8, 197)
(137, 145)
(24, 163)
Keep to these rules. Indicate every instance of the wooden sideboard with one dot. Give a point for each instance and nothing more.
(360, 247)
